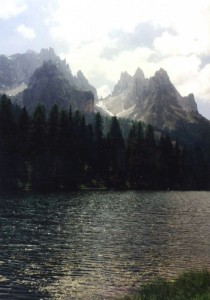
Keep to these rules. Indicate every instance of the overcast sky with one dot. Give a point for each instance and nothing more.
(106, 37)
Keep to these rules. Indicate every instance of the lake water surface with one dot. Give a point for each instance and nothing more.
(99, 245)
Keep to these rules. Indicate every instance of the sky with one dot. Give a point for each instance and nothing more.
(106, 37)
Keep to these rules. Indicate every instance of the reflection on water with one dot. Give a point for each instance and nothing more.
(99, 245)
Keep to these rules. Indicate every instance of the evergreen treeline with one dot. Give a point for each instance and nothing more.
(60, 151)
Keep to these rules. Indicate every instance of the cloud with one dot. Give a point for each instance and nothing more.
(183, 72)
(104, 38)
(84, 20)
(11, 8)
(103, 91)
(143, 35)
(26, 32)
(102, 71)
(204, 86)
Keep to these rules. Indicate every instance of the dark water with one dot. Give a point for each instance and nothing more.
(99, 245)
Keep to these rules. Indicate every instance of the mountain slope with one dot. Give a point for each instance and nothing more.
(154, 100)
(157, 102)
(16, 71)
(49, 85)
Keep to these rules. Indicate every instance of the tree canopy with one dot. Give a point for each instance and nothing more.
(60, 151)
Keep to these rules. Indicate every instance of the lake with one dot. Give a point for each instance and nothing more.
(99, 244)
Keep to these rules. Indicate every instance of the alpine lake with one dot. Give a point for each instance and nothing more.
(99, 244)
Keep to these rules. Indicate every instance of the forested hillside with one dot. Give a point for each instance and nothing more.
(59, 151)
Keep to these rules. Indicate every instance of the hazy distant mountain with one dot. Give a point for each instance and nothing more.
(49, 85)
(83, 84)
(156, 101)
(16, 71)
(32, 78)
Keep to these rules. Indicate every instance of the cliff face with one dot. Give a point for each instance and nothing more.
(49, 85)
(16, 70)
(18, 73)
(154, 100)
(83, 84)
(32, 78)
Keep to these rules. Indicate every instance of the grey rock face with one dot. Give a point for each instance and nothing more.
(16, 71)
(123, 84)
(43, 78)
(49, 85)
(189, 103)
(154, 100)
(82, 83)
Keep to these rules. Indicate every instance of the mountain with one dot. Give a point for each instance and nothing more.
(154, 100)
(49, 85)
(16, 71)
(32, 78)
(157, 102)
(83, 84)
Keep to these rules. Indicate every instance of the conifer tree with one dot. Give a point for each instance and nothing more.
(23, 147)
(117, 154)
(69, 156)
(53, 147)
(165, 161)
(39, 158)
(135, 146)
(149, 158)
(99, 154)
(8, 154)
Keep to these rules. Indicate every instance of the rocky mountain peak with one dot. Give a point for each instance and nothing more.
(48, 69)
(47, 54)
(50, 85)
(82, 83)
(17, 69)
(139, 74)
(125, 77)
(155, 100)
(123, 83)
(81, 76)
(161, 77)
(188, 103)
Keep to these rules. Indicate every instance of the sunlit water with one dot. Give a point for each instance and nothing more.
(99, 245)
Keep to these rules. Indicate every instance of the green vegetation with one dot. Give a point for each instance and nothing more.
(189, 286)
(60, 151)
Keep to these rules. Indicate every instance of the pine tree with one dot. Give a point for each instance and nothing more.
(69, 156)
(117, 158)
(8, 154)
(23, 148)
(149, 159)
(40, 165)
(100, 157)
(53, 147)
(165, 161)
(135, 146)
(82, 149)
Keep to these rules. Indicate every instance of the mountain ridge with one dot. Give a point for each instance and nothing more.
(44, 78)
(49, 86)
(17, 69)
(152, 100)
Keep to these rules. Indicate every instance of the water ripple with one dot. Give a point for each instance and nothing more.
(99, 245)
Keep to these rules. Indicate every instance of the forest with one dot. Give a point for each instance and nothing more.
(59, 150)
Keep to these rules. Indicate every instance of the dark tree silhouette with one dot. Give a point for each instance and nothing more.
(8, 153)
(61, 152)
